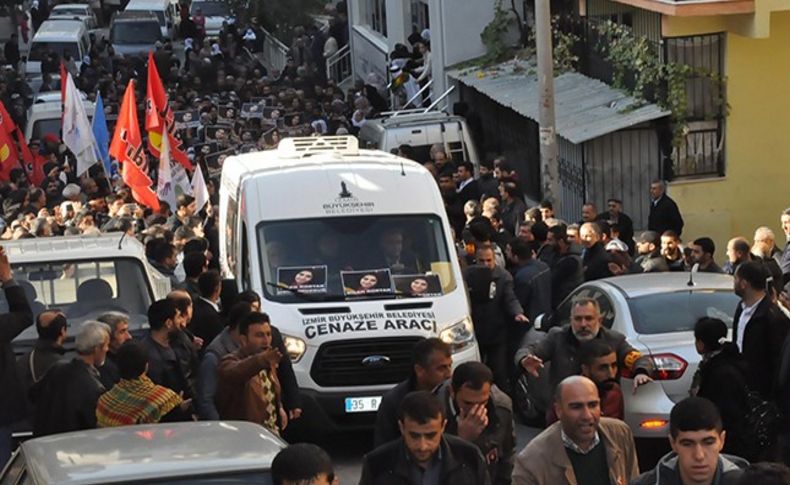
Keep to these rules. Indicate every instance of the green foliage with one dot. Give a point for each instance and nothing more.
(493, 36)
(635, 58)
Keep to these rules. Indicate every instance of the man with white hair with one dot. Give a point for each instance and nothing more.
(67, 395)
(765, 251)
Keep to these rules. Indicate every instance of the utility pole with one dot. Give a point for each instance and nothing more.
(549, 154)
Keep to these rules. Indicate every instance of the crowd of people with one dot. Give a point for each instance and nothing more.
(206, 360)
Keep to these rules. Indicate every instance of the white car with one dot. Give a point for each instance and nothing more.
(193, 452)
(656, 312)
(78, 11)
(215, 12)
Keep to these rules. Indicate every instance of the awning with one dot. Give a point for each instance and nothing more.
(585, 108)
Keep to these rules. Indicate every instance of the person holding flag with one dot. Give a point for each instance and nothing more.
(127, 148)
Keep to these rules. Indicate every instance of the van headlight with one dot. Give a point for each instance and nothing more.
(295, 347)
(460, 335)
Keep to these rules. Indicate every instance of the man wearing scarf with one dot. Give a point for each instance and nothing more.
(135, 399)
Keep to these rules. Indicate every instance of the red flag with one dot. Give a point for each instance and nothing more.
(127, 148)
(159, 117)
(62, 83)
(9, 158)
(33, 163)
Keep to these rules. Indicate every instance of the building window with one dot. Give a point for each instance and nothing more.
(701, 153)
(419, 16)
(376, 15)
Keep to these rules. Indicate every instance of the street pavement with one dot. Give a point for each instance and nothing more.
(347, 451)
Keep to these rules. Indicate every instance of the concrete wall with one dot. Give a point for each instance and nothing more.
(754, 191)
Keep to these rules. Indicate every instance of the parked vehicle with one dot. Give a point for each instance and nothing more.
(322, 210)
(59, 36)
(215, 11)
(193, 452)
(161, 8)
(420, 130)
(47, 117)
(656, 312)
(76, 11)
(135, 33)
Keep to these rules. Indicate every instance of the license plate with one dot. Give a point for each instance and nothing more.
(362, 404)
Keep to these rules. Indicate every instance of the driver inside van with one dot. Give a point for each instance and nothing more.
(392, 254)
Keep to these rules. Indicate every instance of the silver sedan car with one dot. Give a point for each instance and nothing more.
(656, 312)
(225, 452)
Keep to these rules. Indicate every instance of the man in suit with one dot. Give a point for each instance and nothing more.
(206, 321)
(617, 218)
(759, 327)
(468, 188)
(664, 213)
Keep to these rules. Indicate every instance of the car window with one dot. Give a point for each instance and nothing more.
(563, 314)
(678, 312)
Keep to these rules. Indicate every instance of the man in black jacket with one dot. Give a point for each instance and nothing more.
(480, 413)
(66, 397)
(567, 272)
(206, 320)
(664, 213)
(759, 327)
(594, 256)
(495, 307)
(433, 360)
(424, 454)
(468, 188)
(51, 326)
(616, 217)
(18, 318)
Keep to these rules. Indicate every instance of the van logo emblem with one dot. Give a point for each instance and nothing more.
(376, 361)
(344, 193)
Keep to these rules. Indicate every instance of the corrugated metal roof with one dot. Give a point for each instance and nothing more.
(585, 108)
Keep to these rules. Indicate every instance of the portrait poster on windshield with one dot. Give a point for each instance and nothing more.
(367, 282)
(301, 279)
(418, 285)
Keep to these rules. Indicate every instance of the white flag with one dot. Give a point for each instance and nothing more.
(77, 130)
(180, 179)
(199, 190)
(164, 183)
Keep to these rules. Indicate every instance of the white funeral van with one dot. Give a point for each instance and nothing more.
(352, 254)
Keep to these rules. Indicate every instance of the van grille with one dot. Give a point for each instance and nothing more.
(340, 363)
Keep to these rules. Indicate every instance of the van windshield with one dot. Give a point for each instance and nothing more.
(135, 33)
(347, 258)
(39, 50)
(83, 290)
(210, 9)
(45, 127)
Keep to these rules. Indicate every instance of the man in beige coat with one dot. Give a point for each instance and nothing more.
(580, 444)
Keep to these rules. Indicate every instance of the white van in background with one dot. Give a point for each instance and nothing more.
(351, 275)
(421, 130)
(47, 117)
(59, 36)
(161, 8)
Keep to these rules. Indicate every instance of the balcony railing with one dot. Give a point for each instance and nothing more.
(693, 8)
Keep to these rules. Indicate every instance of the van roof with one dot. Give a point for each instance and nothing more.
(56, 108)
(60, 29)
(310, 151)
(72, 247)
(66, 6)
(415, 118)
(134, 15)
(136, 5)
